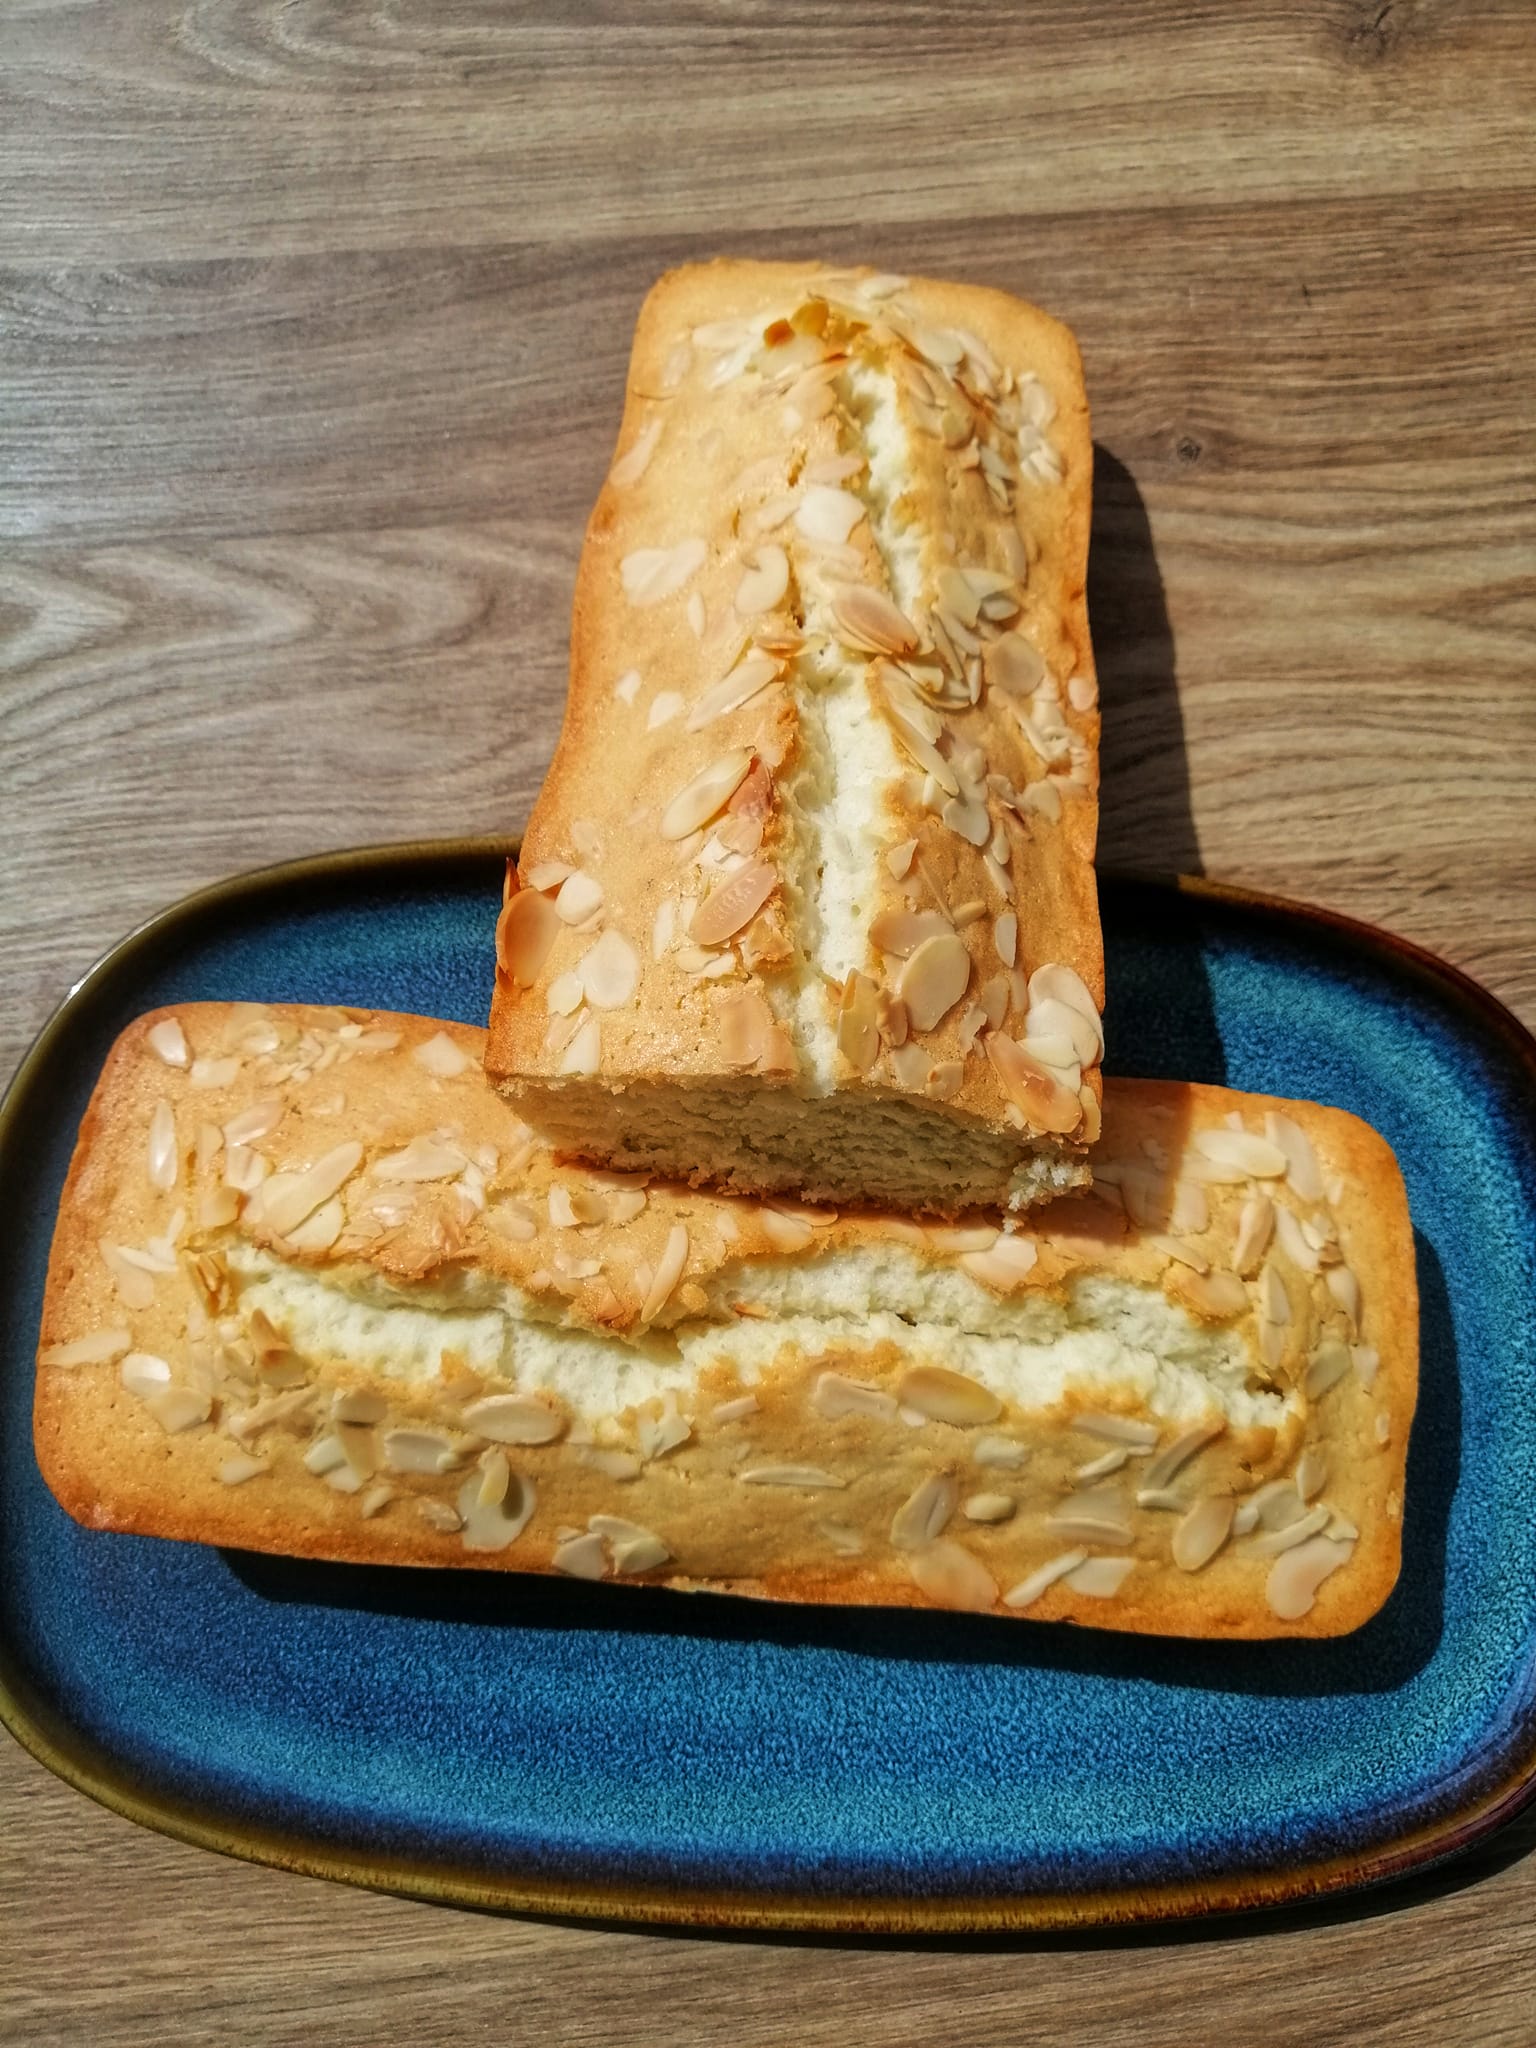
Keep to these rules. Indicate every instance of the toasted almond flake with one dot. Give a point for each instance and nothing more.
(514, 1419)
(143, 1374)
(620, 1466)
(584, 1053)
(441, 1057)
(1218, 1295)
(934, 979)
(496, 1480)
(1005, 937)
(810, 1478)
(925, 1513)
(1274, 1301)
(1112, 1461)
(969, 821)
(579, 897)
(1100, 1578)
(665, 706)
(1311, 1472)
(1082, 693)
(135, 1287)
(900, 933)
(764, 580)
(834, 1396)
(1202, 1532)
(581, 1557)
(916, 728)
(708, 793)
(179, 1408)
(1169, 1462)
(626, 689)
(1255, 1225)
(1096, 1515)
(1056, 982)
(209, 1073)
(100, 1347)
(437, 1514)
(1116, 1429)
(423, 1159)
(1295, 1577)
(164, 1162)
(565, 995)
(1328, 1365)
(669, 1271)
(951, 1576)
(1006, 1263)
(283, 1201)
(240, 1467)
(962, 1237)
(1032, 1088)
(260, 1120)
(651, 574)
(1366, 1362)
(899, 859)
(1277, 1505)
(1383, 1428)
(989, 1507)
(168, 1042)
(1302, 1170)
(419, 1450)
(641, 1553)
(1029, 1590)
(1292, 1241)
(828, 514)
(632, 464)
(868, 620)
(1273, 1542)
(525, 931)
(1254, 1156)
(318, 1232)
(1014, 665)
(495, 1524)
(609, 971)
(1345, 1289)
(732, 907)
(785, 1233)
(945, 1396)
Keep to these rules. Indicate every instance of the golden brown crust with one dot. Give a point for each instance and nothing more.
(718, 453)
(448, 1207)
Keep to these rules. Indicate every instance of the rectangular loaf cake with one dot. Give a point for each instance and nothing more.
(807, 901)
(315, 1290)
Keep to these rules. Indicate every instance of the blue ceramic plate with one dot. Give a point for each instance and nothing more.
(635, 1753)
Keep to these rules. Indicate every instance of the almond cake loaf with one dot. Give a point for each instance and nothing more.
(807, 901)
(316, 1290)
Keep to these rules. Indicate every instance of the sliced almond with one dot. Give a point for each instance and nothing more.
(164, 1161)
(1203, 1531)
(583, 1053)
(764, 581)
(945, 1396)
(708, 793)
(858, 1036)
(828, 514)
(651, 574)
(1295, 1577)
(934, 979)
(609, 971)
(1013, 664)
(1006, 1264)
(632, 464)
(834, 1396)
(923, 1516)
(1057, 982)
(1045, 1104)
(514, 1419)
(1255, 1225)
(1255, 1157)
(1302, 1169)
(868, 620)
(669, 1271)
(899, 933)
(751, 675)
(286, 1199)
(732, 907)
(952, 1577)
(168, 1041)
(525, 932)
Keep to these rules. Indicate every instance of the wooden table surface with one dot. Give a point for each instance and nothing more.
(313, 320)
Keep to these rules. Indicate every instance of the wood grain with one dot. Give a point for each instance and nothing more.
(313, 319)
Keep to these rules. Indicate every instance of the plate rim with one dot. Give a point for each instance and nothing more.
(65, 1750)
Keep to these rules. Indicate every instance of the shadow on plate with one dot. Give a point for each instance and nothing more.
(1383, 1656)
